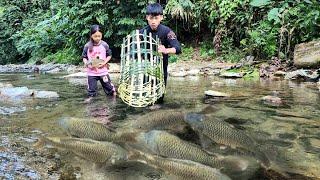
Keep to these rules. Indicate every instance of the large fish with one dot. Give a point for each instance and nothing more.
(183, 168)
(83, 128)
(223, 133)
(161, 119)
(168, 145)
(95, 151)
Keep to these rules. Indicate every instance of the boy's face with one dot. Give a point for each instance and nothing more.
(96, 37)
(154, 21)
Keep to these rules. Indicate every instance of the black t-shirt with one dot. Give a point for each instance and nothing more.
(167, 38)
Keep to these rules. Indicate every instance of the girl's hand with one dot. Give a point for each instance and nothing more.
(101, 65)
(89, 66)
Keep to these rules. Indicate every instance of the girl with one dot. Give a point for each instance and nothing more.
(96, 48)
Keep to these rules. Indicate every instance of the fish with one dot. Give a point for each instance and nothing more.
(96, 62)
(95, 151)
(223, 133)
(182, 168)
(161, 119)
(165, 144)
(84, 128)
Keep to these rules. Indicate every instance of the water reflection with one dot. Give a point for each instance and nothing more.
(296, 122)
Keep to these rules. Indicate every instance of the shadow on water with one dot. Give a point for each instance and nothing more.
(292, 128)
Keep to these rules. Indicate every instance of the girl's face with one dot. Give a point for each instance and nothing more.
(96, 37)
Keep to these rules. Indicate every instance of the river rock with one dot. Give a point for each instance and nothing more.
(231, 75)
(216, 93)
(280, 73)
(217, 83)
(45, 94)
(272, 99)
(76, 75)
(180, 73)
(193, 72)
(307, 55)
(11, 110)
(15, 92)
(304, 74)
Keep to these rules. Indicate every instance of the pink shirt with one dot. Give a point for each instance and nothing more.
(102, 51)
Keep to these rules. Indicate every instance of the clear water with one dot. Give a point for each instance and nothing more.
(295, 122)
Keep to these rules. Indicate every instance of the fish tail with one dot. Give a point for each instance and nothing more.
(262, 157)
(127, 135)
(63, 122)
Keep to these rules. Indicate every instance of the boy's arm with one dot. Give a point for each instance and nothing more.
(174, 43)
(165, 50)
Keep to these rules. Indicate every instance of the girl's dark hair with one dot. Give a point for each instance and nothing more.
(154, 9)
(94, 28)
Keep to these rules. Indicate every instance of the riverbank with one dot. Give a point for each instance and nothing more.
(272, 69)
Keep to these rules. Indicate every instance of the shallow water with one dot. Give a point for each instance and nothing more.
(291, 127)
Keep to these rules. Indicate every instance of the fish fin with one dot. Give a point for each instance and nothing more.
(205, 142)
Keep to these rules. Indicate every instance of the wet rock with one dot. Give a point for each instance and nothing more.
(209, 71)
(76, 75)
(303, 74)
(54, 71)
(11, 110)
(307, 55)
(280, 73)
(216, 93)
(46, 94)
(180, 73)
(217, 83)
(272, 99)
(15, 92)
(193, 72)
(223, 66)
(231, 75)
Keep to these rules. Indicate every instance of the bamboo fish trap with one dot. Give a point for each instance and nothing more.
(141, 79)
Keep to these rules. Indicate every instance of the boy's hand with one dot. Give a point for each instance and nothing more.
(162, 49)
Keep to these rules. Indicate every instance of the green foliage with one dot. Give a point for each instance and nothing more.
(181, 9)
(206, 51)
(186, 55)
(64, 56)
(233, 56)
(57, 30)
(262, 40)
(259, 3)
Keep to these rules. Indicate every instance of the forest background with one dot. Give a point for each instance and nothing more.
(213, 30)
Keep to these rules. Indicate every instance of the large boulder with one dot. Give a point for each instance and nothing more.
(15, 92)
(307, 55)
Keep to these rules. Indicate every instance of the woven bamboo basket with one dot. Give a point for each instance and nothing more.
(141, 74)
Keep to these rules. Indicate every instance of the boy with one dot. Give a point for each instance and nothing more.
(169, 42)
